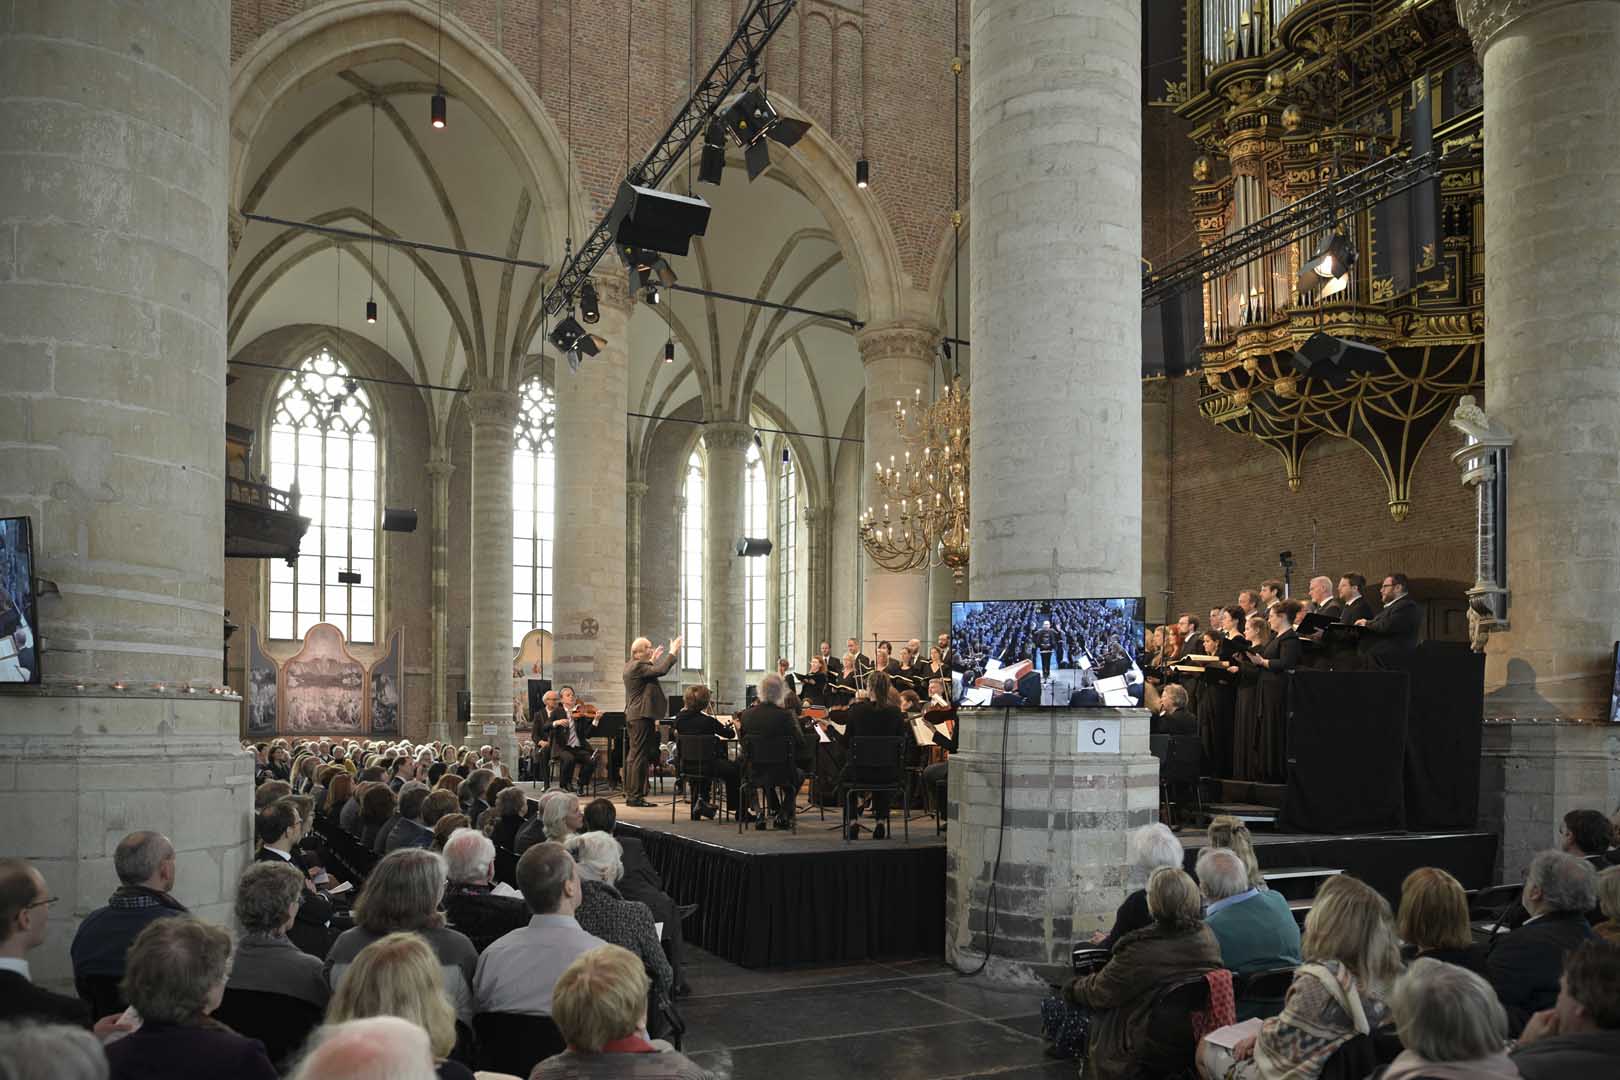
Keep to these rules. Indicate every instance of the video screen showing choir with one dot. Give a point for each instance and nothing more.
(1048, 653)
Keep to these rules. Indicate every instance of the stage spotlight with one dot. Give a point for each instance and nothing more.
(371, 311)
(590, 309)
(439, 108)
(1332, 260)
(863, 173)
(646, 268)
(712, 165)
(574, 341)
(669, 352)
(752, 119)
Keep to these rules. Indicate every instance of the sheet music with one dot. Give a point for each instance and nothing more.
(921, 732)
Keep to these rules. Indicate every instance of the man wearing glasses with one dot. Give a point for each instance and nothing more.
(1392, 635)
(25, 908)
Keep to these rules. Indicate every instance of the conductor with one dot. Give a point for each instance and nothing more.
(644, 706)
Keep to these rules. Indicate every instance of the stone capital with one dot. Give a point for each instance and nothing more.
(897, 341)
(492, 407)
(727, 435)
(636, 489)
(1485, 19)
(439, 469)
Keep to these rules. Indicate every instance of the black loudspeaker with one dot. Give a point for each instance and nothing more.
(399, 521)
(750, 696)
(1172, 331)
(464, 706)
(752, 547)
(538, 689)
(1335, 359)
(643, 217)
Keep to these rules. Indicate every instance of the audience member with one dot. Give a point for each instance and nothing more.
(641, 882)
(1433, 920)
(1256, 929)
(269, 791)
(475, 904)
(561, 816)
(145, 865)
(1524, 964)
(446, 827)
(533, 831)
(1578, 1038)
(1608, 894)
(511, 806)
(1450, 1024)
(42, 1051)
(517, 972)
(339, 790)
(600, 1006)
(398, 975)
(1232, 834)
(1586, 834)
(408, 830)
(25, 909)
(1173, 717)
(376, 811)
(402, 893)
(1146, 849)
(472, 791)
(378, 1048)
(175, 976)
(1175, 946)
(1350, 961)
(450, 782)
(438, 804)
(279, 829)
(605, 912)
(268, 897)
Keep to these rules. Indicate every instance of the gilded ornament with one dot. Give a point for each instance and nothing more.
(1292, 118)
(1287, 386)
(1276, 80)
(1202, 169)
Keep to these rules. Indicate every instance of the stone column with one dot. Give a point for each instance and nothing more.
(1157, 462)
(439, 470)
(1532, 773)
(589, 606)
(898, 360)
(493, 413)
(635, 491)
(725, 464)
(1057, 481)
(815, 570)
(1552, 330)
(112, 400)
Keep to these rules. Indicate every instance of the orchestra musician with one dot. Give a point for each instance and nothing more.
(768, 718)
(873, 716)
(694, 719)
(571, 724)
(540, 754)
(940, 718)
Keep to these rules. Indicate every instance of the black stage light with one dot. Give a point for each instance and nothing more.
(646, 268)
(590, 309)
(863, 173)
(574, 341)
(752, 119)
(1334, 359)
(653, 295)
(348, 577)
(1331, 262)
(439, 108)
(371, 311)
(712, 165)
(784, 455)
(669, 352)
(751, 547)
(643, 217)
(399, 521)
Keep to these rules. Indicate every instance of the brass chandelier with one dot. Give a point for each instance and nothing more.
(924, 508)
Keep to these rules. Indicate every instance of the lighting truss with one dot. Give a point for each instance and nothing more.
(741, 55)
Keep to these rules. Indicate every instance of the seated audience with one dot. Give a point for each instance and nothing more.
(475, 905)
(1433, 920)
(25, 909)
(1524, 964)
(1232, 834)
(279, 829)
(450, 782)
(379, 1048)
(1608, 894)
(408, 830)
(269, 791)
(446, 827)
(145, 864)
(398, 975)
(516, 973)
(561, 816)
(268, 898)
(600, 1006)
(641, 882)
(533, 831)
(1175, 946)
(1586, 834)
(605, 912)
(402, 894)
(472, 791)
(1578, 1038)
(1256, 929)
(511, 806)
(1350, 961)
(43, 1051)
(376, 811)
(436, 806)
(1146, 849)
(379, 846)
(1450, 1025)
(1173, 717)
(174, 977)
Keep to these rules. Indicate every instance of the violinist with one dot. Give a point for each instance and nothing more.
(571, 725)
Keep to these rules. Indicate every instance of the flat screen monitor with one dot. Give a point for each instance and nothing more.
(1614, 686)
(19, 628)
(1082, 653)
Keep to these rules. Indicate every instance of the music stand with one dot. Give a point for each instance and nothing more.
(612, 725)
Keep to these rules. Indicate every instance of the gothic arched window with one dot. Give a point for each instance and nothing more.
(692, 563)
(787, 528)
(323, 438)
(534, 475)
(756, 506)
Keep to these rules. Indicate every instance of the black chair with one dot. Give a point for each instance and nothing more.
(875, 765)
(1170, 1049)
(1261, 993)
(101, 993)
(516, 1042)
(1181, 761)
(281, 1022)
(1355, 1060)
(698, 755)
(768, 755)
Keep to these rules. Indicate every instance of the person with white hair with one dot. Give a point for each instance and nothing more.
(33, 1051)
(767, 719)
(533, 831)
(644, 706)
(376, 1048)
(1256, 929)
(476, 905)
(1450, 1024)
(1525, 965)
(605, 912)
(1146, 849)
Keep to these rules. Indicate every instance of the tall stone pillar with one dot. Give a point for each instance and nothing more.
(439, 470)
(815, 564)
(1157, 461)
(725, 465)
(112, 400)
(899, 361)
(493, 414)
(589, 606)
(634, 492)
(1057, 480)
(1552, 330)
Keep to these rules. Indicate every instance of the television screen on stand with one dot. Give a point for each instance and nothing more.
(19, 628)
(1073, 653)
